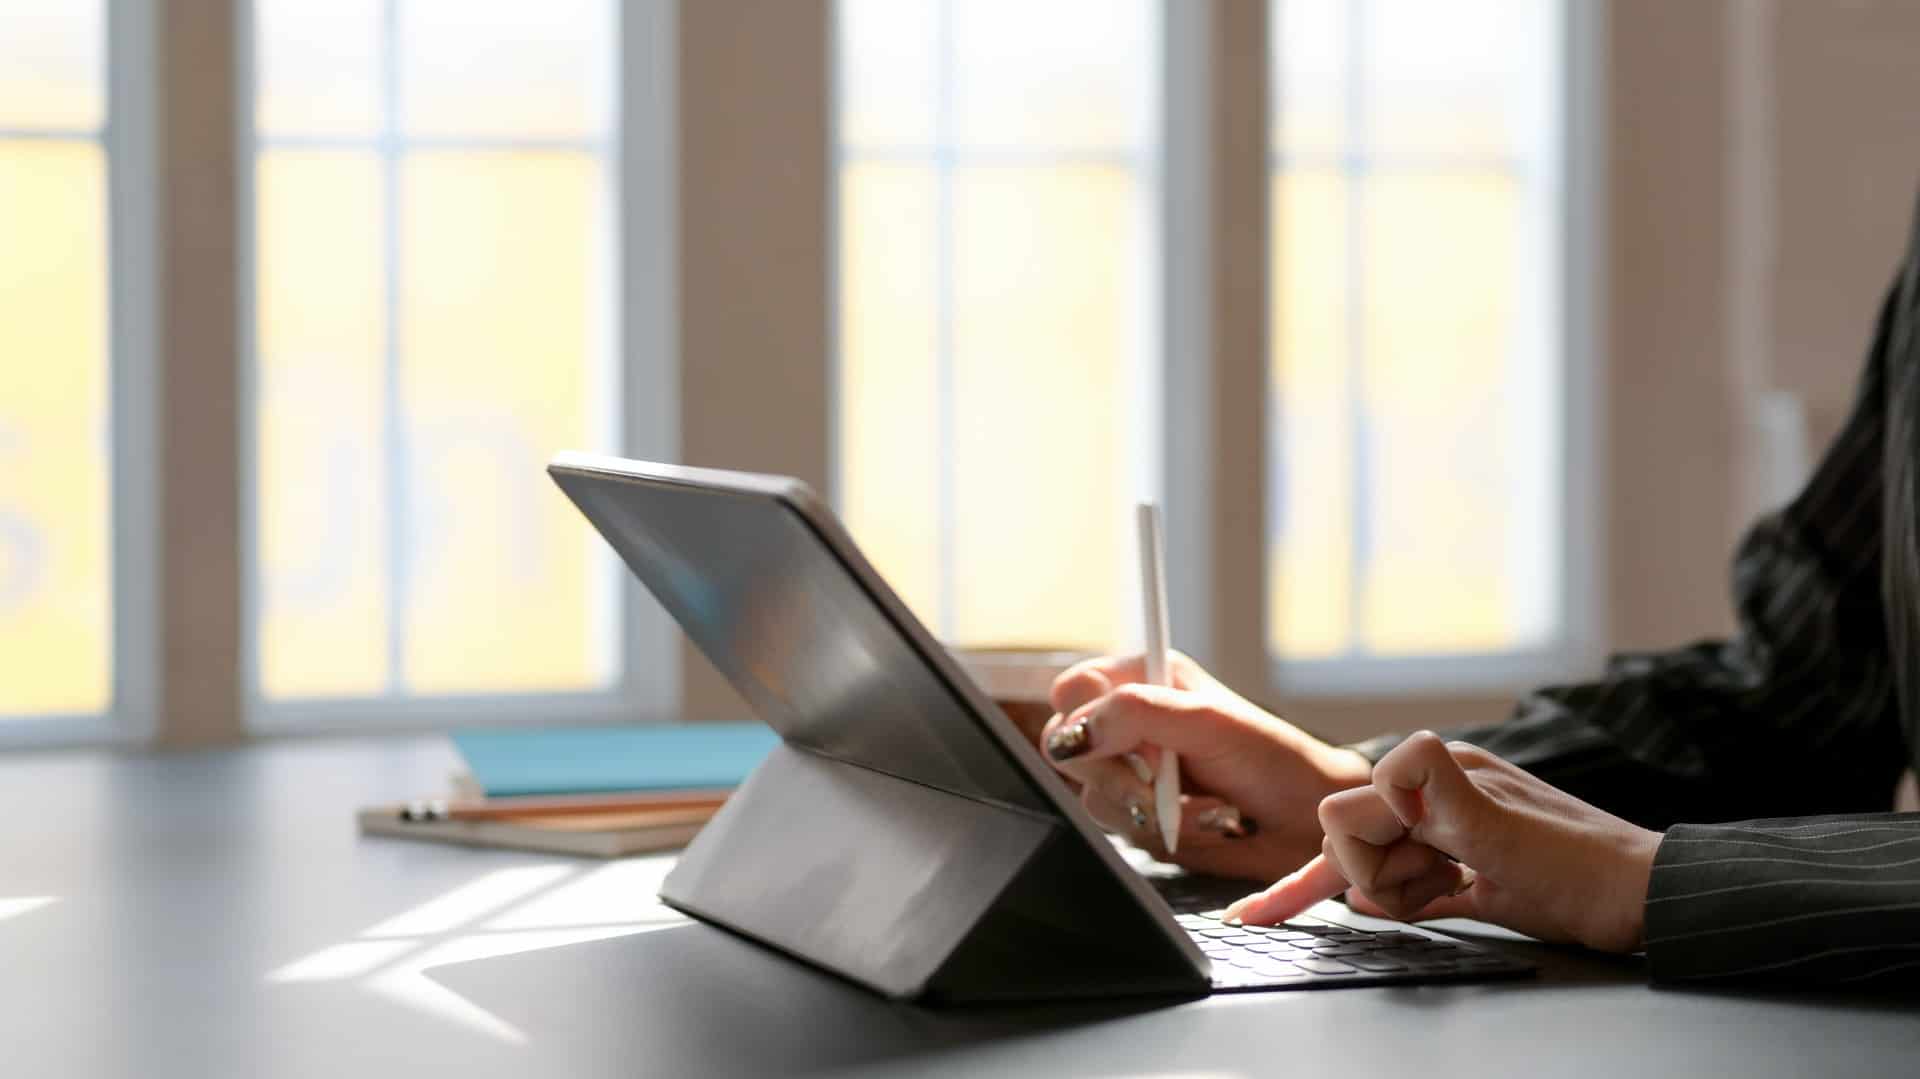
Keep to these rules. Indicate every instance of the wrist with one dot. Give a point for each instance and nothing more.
(1639, 847)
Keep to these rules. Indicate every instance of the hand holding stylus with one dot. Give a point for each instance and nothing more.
(1250, 780)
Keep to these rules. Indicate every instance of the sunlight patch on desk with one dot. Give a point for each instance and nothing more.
(406, 983)
(470, 902)
(23, 904)
(349, 960)
(504, 912)
(616, 893)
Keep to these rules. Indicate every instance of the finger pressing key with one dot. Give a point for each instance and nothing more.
(1319, 879)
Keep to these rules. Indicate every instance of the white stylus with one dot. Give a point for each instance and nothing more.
(1153, 595)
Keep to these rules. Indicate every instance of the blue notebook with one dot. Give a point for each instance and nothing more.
(598, 760)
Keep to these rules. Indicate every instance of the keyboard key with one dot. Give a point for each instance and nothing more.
(1317, 965)
(1240, 938)
(1274, 968)
(1339, 950)
(1218, 932)
(1482, 962)
(1376, 962)
(1272, 947)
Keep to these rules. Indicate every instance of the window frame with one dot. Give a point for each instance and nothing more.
(126, 141)
(1577, 646)
(639, 156)
(1144, 374)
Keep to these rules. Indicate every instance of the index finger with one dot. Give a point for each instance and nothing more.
(1290, 895)
(1091, 678)
(1137, 715)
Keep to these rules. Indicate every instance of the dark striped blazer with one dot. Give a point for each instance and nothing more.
(1804, 720)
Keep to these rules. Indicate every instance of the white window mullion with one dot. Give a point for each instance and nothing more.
(394, 442)
(133, 213)
(944, 164)
(1187, 279)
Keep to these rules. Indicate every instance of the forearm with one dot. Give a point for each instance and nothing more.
(1833, 900)
(1591, 741)
(1633, 746)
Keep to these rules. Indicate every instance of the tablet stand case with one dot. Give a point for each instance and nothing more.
(917, 892)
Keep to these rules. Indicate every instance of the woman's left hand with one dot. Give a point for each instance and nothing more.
(1452, 831)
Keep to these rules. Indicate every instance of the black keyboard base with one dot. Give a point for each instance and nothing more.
(1314, 953)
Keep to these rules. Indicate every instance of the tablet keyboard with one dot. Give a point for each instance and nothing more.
(1311, 953)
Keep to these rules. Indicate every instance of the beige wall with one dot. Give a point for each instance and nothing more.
(199, 475)
(754, 300)
(1765, 166)
(1844, 157)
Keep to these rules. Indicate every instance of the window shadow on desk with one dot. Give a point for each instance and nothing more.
(694, 1000)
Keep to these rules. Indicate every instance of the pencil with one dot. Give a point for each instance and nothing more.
(1153, 595)
(562, 805)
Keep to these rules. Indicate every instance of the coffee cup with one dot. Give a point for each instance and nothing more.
(1020, 679)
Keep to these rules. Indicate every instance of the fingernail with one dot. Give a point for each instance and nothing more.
(1222, 819)
(1070, 741)
(1467, 877)
(1141, 769)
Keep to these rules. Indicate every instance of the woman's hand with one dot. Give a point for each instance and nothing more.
(1251, 780)
(1529, 856)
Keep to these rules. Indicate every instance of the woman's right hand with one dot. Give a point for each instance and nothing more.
(1233, 755)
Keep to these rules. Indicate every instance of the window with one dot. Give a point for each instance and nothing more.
(436, 260)
(997, 308)
(56, 375)
(1422, 423)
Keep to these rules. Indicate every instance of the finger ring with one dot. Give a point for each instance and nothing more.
(1139, 815)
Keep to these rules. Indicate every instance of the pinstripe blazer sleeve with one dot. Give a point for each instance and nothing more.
(1833, 899)
(1795, 715)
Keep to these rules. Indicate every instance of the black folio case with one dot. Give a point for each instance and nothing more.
(903, 835)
